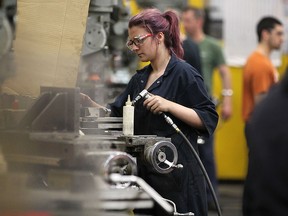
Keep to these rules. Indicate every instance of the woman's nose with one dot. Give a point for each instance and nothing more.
(134, 47)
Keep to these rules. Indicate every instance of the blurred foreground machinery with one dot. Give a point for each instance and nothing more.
(66, 159)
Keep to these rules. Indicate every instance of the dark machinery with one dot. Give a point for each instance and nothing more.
(77, 157)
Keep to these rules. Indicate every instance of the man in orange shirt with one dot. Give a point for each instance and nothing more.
(259, 74)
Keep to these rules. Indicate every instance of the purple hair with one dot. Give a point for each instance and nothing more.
(154, 21)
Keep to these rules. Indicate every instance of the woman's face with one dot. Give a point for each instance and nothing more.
(141, 43)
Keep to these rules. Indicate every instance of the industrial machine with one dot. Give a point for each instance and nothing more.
(76, 159)
(106, 64)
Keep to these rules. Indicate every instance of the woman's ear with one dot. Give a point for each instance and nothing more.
(160, 37)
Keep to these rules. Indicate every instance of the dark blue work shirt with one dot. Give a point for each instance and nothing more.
(180, 83)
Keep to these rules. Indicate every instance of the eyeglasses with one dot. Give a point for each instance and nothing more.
(137, 41)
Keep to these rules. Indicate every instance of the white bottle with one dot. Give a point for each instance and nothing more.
(128, 118)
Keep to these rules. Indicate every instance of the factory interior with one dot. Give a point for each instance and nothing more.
(60, 157)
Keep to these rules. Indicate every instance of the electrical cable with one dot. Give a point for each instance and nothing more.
(175, 209)
(171, 123)
(204, 173)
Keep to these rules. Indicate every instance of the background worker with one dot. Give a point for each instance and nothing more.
(192, 54)
(211, 58)
(266, 188)
(259, 74)
(261, 131)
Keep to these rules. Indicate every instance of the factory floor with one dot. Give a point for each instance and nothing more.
(230, 199)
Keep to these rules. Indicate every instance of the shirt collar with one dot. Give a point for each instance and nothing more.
(170, 65)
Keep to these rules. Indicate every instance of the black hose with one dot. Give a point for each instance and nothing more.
(171, 123)
(204, 172)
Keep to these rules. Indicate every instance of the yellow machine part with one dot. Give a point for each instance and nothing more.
(230, 145)
(196, 3)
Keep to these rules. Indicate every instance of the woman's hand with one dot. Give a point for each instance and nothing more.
(86, 101)
(157, 104)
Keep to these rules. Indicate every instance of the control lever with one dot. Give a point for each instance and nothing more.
(177, 166)
(163, 156)
(116, 178)
(164, 203)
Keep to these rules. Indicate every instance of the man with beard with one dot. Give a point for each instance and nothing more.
(259, 74)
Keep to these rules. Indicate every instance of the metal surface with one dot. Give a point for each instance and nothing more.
(57, 109)
(98, 26)
(162, 5)
(164, 204)
(105, 61)
(95, 37)
(162, 156)
(6, 35)
(59, 160)
(68, 192)
(114, 162)
(100, 125)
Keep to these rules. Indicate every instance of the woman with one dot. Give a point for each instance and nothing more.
(177, 90)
